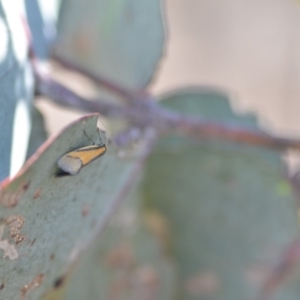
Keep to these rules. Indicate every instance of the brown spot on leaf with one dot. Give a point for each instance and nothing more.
(9, 250)
(11, 198)
(145, 283)
(85, 210)
(36, 282)
(15, 222)
(58, 282)
(26, 185)
(2, 286)
(148, 276)
(19, 238)
(120, 257)
(37, 193)
(203, 284)
(159, 227)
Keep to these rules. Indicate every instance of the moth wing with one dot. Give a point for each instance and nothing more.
(69, 164)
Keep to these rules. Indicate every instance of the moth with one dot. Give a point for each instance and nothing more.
(73, 161)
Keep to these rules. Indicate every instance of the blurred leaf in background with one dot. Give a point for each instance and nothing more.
(16, 85)
(230, 217)
(122, 40)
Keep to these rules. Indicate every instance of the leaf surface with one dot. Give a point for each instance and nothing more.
(120, 39)
(230, 210)
(47, 221)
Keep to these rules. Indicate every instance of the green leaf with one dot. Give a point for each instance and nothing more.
(16, 88)
(120, 39)
(230, 218)
(38, 133)
(127, 262)
(41, 19)
(46, 221)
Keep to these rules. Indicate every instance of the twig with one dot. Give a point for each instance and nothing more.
(124, 93)
(282, 271)
(203, 129)
(65, 97)
(144, 114)
(137, 114)
(128, 136)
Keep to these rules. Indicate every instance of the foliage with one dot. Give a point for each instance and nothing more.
(203, 217)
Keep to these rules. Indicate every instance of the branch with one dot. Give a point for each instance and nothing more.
(144, 114)
(65, 97)
(285, 268)
(125, 94)
(203, 129)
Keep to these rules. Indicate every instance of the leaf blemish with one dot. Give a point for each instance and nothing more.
(58, 282)
(203, 284)
(15, 222)
(9, 250)
(37, 193)
(36, 282)
(11, 198)
(85, 210)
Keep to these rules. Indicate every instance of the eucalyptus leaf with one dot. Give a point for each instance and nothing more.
(127, 262)
(48, 220)
(16, 86)
(120, 39)
(230, 209)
